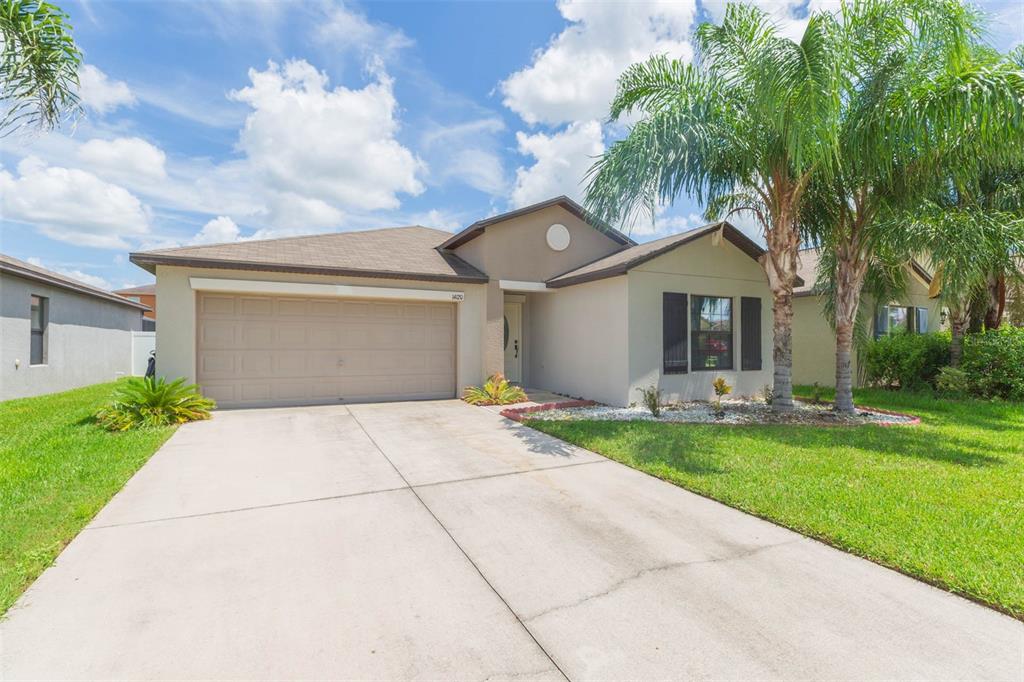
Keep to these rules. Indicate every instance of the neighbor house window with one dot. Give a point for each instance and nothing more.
(40, 311)
(895, 318)
(673, 333)
(711, 335)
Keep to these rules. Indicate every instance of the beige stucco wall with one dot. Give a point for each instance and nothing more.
(517, 249)
(703, 269)
(814, 341)
(176, 331)
(578, 341)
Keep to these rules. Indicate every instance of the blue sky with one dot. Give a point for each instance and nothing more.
(217, 121)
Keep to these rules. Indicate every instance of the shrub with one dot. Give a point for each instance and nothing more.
(143, 402)
(495, 391)
(651, 397)
(721, 389)
(768, 394)
(816, 393)
(994, 363)
(953, 382)
(909, 361)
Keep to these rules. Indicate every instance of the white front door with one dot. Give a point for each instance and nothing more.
(514, 342)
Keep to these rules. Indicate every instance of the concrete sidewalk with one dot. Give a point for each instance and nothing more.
(437, 540)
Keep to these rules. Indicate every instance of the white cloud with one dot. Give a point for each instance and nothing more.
(220, 229)
(289, 211)
(124, 158)
(468, 152)
(344, 151)
(437, 219)
(73, 273)
(343, 28)
(101, 94)
(72, 205)
(573, 78)
(561, 161)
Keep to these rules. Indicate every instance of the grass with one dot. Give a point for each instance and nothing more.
(57, 469)
(942, 501)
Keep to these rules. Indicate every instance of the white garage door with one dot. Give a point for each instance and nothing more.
(282, 350)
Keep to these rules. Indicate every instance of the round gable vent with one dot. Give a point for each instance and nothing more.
(558, 237)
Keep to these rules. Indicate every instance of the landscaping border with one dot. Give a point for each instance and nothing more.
(517, 413)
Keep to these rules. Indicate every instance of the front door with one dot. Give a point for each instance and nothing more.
(514, 342)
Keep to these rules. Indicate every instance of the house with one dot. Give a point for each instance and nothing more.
(814, 344)
(146, 295)
(58, 333)
(546, 294)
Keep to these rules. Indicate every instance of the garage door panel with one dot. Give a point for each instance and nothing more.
(261, 350)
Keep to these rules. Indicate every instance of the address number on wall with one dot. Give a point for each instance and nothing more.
(458, 296)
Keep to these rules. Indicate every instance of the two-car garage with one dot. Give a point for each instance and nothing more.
(255, 350)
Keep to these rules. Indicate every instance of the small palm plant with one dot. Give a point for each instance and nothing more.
(495, 391)
(142, 402)
(722, 389)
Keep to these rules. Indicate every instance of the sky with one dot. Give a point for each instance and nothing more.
(213, 121)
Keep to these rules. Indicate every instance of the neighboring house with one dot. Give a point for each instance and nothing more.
(146, 295)
(814, 341)
(59, 333)
(546, 294)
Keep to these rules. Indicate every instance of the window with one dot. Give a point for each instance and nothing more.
(134, 298)
(750, 334)
(711, 321)
(894, 318)
(897, 319)
(673, 333)
(37, 351)
(921, 318)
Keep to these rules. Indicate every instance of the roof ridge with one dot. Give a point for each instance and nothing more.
(20, 268)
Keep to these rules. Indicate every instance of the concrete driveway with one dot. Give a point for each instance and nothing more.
(441, 541)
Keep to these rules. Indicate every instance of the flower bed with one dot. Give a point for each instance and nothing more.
(734, 412)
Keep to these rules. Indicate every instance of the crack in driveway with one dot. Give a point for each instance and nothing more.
(618, 584)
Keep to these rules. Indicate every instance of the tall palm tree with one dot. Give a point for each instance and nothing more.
(744, 128)
(38, 66)
(917, 96)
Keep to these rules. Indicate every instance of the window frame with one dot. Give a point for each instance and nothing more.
(42, 304)
(918, 312)
(694, 330)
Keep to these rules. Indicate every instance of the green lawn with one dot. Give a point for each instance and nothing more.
(943, 501)
(57, 469)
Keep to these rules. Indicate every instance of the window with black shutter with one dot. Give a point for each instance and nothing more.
(675, 353)
(712, 333)
(750, 333)
(39, 314)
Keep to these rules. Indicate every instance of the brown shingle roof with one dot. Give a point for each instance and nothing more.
(621, 262)
(398, 252)
(477, 228)
(807, 269)
(33, 272)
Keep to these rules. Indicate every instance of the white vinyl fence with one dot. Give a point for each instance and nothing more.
(142, 344)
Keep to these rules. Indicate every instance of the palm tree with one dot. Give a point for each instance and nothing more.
(917, 96)
(38, 66)
(744, 128)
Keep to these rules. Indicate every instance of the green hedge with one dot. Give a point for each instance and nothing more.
(992, 365)
(993, 362)
(905, 360)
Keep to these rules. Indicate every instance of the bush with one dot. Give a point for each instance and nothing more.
(722, 389)
(954, 382)
(994, 363)
(495, 391)
(142, 402)
(651, 397)
(909, 361)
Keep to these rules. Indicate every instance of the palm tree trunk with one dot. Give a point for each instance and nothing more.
(850, 272)
(958, 320)
(782, 350)
(995, 287)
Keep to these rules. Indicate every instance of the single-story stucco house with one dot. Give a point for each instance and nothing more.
(146, 295)
(546, 294)
(814, 346)
(57, 333)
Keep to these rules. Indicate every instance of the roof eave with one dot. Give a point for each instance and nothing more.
(149, 262)
(70, 286)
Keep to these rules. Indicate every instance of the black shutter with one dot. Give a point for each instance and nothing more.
(750, 333)
(673, 333)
